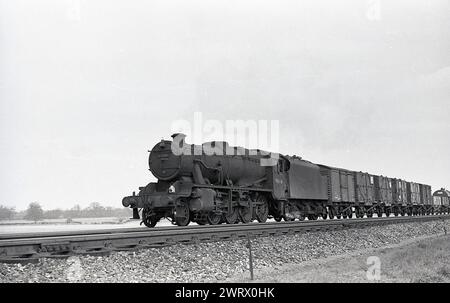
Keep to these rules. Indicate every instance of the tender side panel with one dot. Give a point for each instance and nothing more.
(306, 181)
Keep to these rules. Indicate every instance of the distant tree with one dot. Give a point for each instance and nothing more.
(53, 214)
(34, 212)
(95, 209)
(6, 213)
(74, 212)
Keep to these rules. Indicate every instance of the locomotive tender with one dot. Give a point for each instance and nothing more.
(214, 183)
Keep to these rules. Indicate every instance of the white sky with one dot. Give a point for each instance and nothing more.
(87, 87)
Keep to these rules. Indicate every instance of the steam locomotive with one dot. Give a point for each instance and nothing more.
(215, 183)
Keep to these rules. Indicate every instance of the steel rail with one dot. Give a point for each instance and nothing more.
(29, 248)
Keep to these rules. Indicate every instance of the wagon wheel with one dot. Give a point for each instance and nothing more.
(301, 217)
(331, 212)
(312, 217)
(214, 218)
(288, 219)
(262, 210)
(231, 217)
(148, 218)
(350, 213)
(182, 217)
(343, 213)
(245, 214)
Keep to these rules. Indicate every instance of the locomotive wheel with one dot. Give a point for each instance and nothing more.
(278, 219)
(245, 214)
(262, 211)
(148, 218)
(214, 218)
(324, 216)
(233, 217)
(182, 217)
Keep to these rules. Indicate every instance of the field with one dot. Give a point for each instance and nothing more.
(50, 225)
(424, 260)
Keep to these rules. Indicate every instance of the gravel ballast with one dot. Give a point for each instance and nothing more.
(214, 261)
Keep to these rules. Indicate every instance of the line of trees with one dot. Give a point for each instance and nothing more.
(35, 212)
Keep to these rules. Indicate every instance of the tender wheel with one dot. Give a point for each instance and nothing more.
(288, 210)
(231, 217)
(214, 218)
(245, 214)
(262, 211)
(182, 217)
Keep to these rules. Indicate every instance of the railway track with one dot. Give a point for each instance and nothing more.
(26, 248)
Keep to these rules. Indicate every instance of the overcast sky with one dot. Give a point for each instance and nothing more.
(87, 87)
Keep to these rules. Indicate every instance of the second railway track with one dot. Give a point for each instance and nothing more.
(31, 247)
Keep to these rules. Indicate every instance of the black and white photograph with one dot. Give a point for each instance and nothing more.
(224, 148)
